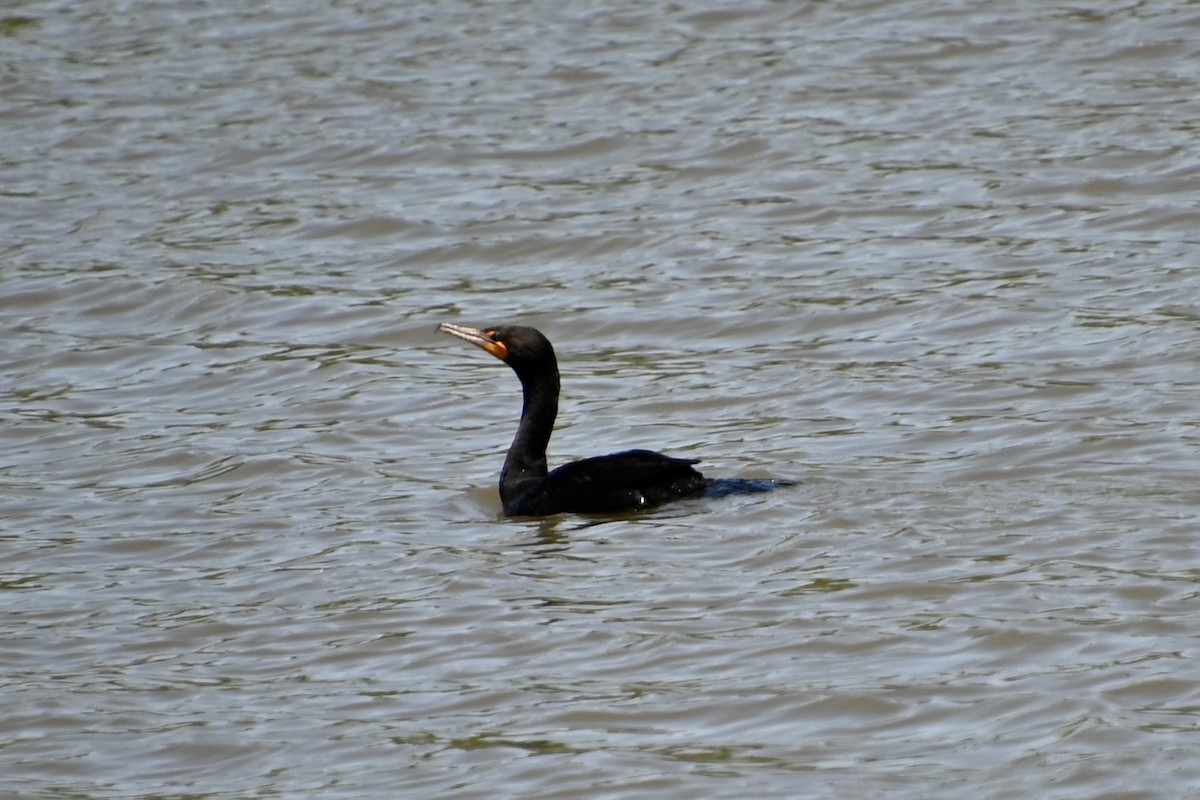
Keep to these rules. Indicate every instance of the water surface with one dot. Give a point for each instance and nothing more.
(936, 260)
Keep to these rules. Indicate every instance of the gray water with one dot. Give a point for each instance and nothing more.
(937, 260)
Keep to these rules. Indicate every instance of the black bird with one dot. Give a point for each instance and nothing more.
(625, 481)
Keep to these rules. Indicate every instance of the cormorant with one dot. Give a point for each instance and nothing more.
(625, 481)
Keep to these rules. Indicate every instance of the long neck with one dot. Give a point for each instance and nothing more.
(526, 461)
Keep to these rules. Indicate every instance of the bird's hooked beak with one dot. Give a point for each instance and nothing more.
(477, 337)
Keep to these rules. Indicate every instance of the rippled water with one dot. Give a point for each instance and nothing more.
(936, 260)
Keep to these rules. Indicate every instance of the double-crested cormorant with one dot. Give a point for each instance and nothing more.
(625, 481)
